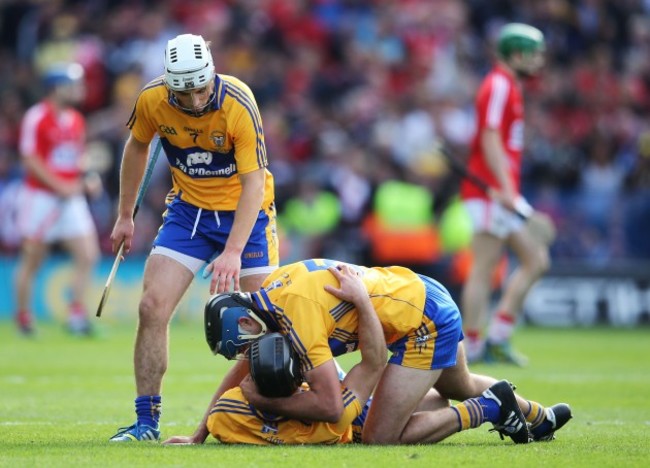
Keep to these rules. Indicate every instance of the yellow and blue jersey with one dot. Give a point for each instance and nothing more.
(421, 323)
(233, 420)
(207, 152)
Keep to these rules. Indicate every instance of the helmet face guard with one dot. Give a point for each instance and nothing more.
(195, 112)
(223, 333)
(274, 366)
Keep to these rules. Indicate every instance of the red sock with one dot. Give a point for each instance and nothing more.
(24, 318)
(501, 328)
(506, 318)
(473, 335)
(77, 309)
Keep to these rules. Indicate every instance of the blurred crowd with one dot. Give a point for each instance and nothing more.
(355, 96)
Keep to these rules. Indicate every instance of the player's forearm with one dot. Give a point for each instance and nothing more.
(497, 161)
(363, 377)
(304, 406)
(231, 380)
(134, 162)
(371, 337)
(248, 208)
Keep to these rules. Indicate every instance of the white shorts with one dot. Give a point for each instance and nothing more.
(491, 217)
(49, 218)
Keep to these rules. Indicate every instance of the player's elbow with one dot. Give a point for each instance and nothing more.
(334, 415)
(374, 361)
(331, 411)
(377, 371)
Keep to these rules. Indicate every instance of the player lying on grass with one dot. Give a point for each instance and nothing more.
(275, 374)
(420, 323)
(234, 420)
(275, 371)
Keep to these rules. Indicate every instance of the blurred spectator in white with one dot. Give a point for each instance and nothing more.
(52, 206)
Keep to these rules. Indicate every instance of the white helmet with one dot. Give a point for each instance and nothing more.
(188, 63)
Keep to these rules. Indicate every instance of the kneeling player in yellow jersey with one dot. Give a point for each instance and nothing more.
(234, 420)
(420, 326)
(275, 366)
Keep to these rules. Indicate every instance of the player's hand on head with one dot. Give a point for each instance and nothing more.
(225, 271)
(351, 286)
(249, 389)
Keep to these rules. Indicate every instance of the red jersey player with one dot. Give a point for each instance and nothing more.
(496, 158)
(54, 208)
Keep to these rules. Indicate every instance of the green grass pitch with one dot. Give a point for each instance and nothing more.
(61, 398)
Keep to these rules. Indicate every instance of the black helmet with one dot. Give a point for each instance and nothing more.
(222, 331)
(275, 366)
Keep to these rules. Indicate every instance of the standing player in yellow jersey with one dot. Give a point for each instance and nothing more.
(421, 326)
(220, 210)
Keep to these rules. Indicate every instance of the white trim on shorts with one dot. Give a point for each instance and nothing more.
(195, 264)
(493, 218)
(191, 263)
(258, 270)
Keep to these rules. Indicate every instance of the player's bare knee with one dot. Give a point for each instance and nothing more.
(93, 256)
(536, 263)
(545, 261)
(541, 263)
(376, 437)
(455, 386)
(150, 310)
(87, 261)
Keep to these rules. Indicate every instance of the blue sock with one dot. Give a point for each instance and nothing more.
(543, 429)
(491, 410)
(148, 409)
(475, 411)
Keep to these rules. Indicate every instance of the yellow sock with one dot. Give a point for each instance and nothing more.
(535, 414)
(470, 414)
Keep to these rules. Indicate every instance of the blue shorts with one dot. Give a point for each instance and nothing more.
(359, 422)
(194, 236)
(434, 344)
